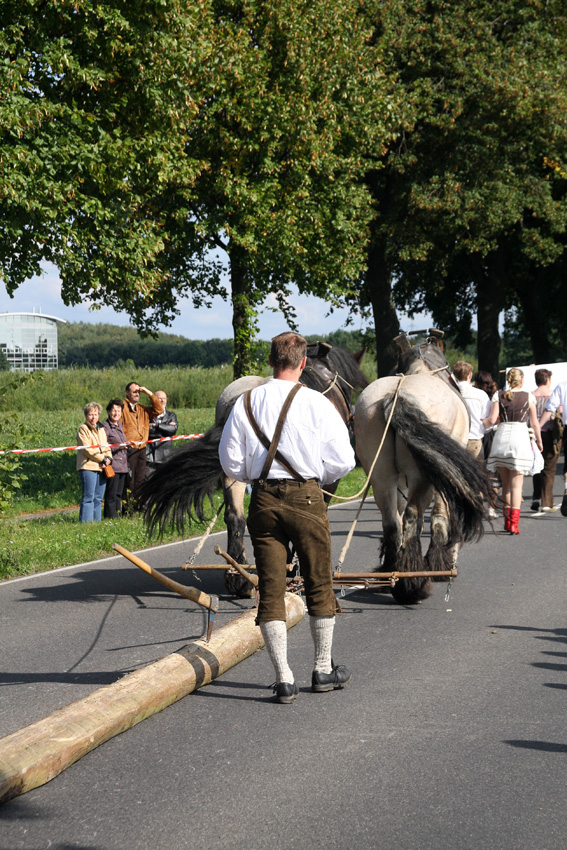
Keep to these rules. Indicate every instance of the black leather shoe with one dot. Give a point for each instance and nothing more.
(285, 692)
(337, 678)
(564, 504)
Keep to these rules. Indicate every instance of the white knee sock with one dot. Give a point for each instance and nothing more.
(274, 633)
(322, 634)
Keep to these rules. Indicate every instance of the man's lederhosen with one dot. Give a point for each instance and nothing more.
(284, 511)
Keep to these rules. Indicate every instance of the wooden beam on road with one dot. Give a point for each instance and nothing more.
(34, 755)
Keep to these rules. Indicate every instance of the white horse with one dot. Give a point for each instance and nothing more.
(423, 456)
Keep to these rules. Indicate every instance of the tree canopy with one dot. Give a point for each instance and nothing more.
(393, 154)
(139, 139)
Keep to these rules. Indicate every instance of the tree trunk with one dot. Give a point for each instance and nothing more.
(243, 313)
(534, 299)
(490, 303)
(386, 324)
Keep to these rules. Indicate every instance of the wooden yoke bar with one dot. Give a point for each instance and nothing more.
(340, 576)
(238, 567)
(184, 590)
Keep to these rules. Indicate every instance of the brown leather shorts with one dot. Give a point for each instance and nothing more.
(286, 512)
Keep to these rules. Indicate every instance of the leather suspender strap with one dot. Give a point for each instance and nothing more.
(272, 447)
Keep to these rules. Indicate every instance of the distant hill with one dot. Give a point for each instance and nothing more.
(102, 346)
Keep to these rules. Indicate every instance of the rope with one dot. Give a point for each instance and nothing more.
(366, 487)
(206, 535)
(101, 446)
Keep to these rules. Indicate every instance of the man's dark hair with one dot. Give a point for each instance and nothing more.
(484, 381)
(542, 376)
(287, 351)
(114, 402)
(131, 384)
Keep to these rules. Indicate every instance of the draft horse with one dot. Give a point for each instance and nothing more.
(424, 456)
(181, 488)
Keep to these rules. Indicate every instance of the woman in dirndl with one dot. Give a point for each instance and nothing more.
(512, 454)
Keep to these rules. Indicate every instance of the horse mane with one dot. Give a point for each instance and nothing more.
(348, 366)
(409, 356)
(338, 360)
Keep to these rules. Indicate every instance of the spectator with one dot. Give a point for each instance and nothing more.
(116, 436)
(543, 481)
(90, 463)
(136, 420)
(164, 425)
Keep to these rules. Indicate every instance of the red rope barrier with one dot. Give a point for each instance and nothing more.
(101, 446)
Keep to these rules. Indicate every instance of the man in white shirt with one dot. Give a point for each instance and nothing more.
(288, 507)
(478, 405)
(557, 400)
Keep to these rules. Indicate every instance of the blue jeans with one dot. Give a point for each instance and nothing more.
(93, 484)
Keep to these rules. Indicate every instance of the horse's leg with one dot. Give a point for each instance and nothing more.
(235, 520)
(410, 559)
(384, 482)
(440, 555)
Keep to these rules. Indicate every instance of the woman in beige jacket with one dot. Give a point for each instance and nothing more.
(91, 462)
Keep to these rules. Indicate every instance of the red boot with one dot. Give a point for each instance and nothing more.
(506, 518)
(514, 521)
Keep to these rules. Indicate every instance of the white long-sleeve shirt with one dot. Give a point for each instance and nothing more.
(558, 398)
(314, 439)
(479, 407)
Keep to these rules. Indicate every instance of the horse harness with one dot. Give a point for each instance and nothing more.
(336, 381)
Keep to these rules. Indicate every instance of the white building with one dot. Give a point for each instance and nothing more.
(29, 340)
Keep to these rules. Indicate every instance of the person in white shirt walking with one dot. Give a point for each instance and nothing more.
(287, 505)
(478, 405)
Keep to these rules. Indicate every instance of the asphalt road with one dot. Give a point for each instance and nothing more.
(451, 736)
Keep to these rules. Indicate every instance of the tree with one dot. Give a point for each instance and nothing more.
(140, 138)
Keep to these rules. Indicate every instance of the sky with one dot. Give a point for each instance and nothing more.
(43, 295)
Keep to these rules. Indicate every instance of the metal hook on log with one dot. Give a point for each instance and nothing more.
(188, 592)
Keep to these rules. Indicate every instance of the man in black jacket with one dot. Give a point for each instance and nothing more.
(164, 425)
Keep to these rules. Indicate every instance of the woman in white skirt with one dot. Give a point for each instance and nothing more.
(511, 454)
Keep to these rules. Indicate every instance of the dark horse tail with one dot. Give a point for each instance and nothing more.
(451, 469)
(179, 488)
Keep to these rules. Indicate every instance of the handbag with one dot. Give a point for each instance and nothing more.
(108, 470)
(538, 462)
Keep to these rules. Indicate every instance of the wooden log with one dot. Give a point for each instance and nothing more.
(34, 755)
(184, 590)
